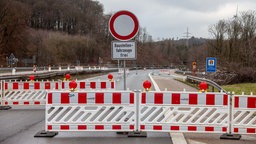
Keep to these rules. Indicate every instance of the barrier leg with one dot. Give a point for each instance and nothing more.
(137, 132)
(44, 133)
(230, 135)
(3, 106)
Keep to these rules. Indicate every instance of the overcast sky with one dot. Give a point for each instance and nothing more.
(170, 18)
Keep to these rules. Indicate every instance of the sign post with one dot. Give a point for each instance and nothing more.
(123, 26)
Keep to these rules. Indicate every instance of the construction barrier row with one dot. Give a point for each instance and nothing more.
(64, 85)
(150, 111)
(34, 92)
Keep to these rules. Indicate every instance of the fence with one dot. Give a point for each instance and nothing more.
(33, 93)
(150, 111)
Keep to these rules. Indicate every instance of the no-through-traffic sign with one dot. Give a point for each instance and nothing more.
(123, 25)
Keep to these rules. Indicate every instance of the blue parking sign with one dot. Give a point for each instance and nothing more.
(211, 64)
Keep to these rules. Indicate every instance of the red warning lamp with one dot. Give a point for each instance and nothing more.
(72, 85)
(203, 86)
(32, 77)
(147, 85)
(110, 76)
(67, 76)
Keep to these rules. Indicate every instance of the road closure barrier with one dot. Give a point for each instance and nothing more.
(34, 92)
(141, 112)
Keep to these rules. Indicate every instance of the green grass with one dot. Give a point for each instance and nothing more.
(247, 88)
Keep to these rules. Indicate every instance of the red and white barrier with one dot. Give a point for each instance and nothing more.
(176, 98)
(87, 85)
(33, 85)
(184, 112)
(106, 98)
(244, 119)
(90, 111)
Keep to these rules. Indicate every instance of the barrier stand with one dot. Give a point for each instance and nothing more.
(2, 105)
(229, 135)
(137, 132)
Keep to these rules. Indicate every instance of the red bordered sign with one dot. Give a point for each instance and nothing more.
(123, 25)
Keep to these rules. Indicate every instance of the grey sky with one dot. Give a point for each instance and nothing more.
(170, 18)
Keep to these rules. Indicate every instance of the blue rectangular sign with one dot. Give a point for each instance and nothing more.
(211, 64)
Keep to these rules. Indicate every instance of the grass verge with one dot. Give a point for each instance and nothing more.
(247, 88)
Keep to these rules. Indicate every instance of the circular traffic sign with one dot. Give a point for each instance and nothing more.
(123, 25)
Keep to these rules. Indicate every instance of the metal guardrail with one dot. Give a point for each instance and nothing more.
(47, 74)
(209, 82)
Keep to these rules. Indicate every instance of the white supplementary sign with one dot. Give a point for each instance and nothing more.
(123, 50)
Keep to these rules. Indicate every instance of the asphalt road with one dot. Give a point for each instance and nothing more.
(20, 124)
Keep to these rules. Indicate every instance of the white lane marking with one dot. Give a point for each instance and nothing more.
(177, 138)
(195, 142)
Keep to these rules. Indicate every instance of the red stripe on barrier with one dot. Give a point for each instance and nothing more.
(64, 127)
(56, 85)
(131, 98)
(6, 85)
(158, 98)
(99, 127)
(209, 128)
(49, 98)
(251, 102)
(116, 98)
(15, 103)
(224, 129)
(99, 98)
(47, 85)
(112, 85)
(225, 99)
(193, 99)
(64, 98)
(49, 127)
(174, 128)
(26, 103)
(210, 99)
(192, 128)
(157, 127)
(236, 102)
(26, 85)
(36, 85)
(37, 102)
(81, 127)
(103, 85)
(93, 85)
(63, 85)
(251, 130)
(143, 98)
(15, 86)
(6, 103)
(82, 85)
(236, 130)
(175, 98)
(116, 127)
(142, 127)
(82, 98)
(131, 127)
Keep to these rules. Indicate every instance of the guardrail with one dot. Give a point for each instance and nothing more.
(209, 82)
(49, 74)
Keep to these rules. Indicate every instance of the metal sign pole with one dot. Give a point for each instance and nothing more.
(124, 76)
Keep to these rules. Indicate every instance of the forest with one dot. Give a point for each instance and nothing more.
(75, 32)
